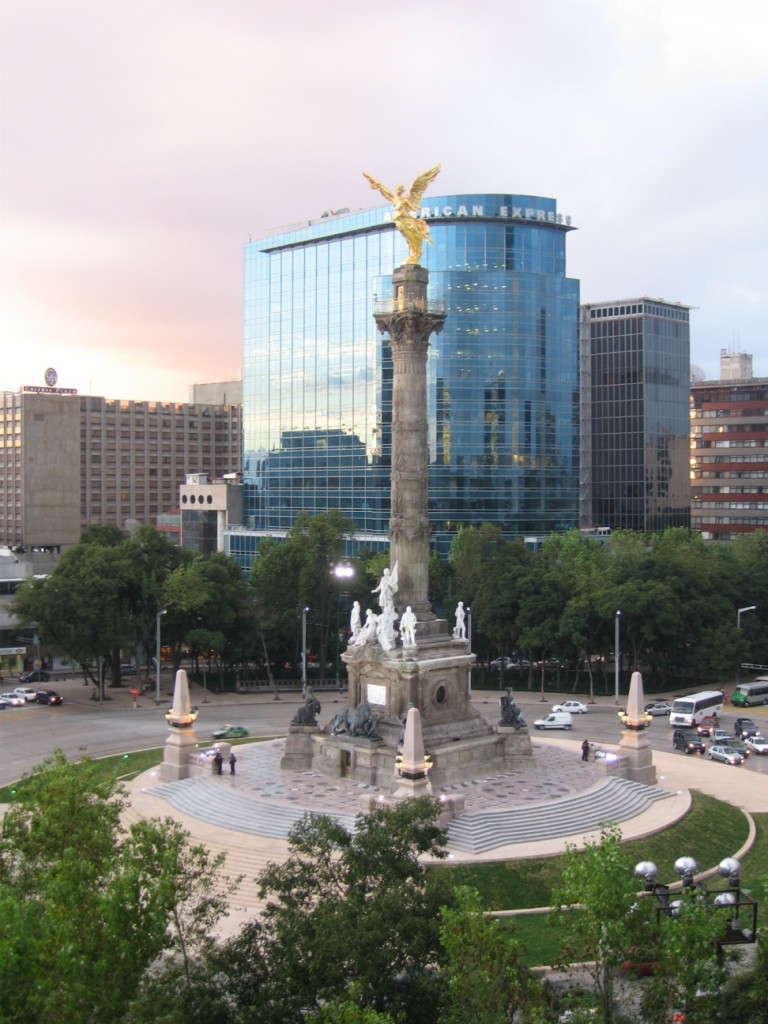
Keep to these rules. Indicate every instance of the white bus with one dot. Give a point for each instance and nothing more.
(690, 710)
(746, 695)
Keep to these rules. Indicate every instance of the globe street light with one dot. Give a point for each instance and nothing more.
(741, 924)
(159, 616)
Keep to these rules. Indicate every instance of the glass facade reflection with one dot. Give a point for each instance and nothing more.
(503, 390)
(636, 392)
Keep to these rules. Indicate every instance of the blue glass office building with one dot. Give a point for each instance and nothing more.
(503, 388)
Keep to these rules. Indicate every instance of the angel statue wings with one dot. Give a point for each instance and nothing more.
(414, 230)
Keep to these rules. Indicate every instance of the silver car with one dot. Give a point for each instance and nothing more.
(726, 755)
(658, 709)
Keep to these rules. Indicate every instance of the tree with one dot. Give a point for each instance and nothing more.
(82, 606)
(497, 600)
(358, 908)
(484, 979)
(347, 1011)
(297, 573)
(593, 912)
(688, 960)
(90, 906)
(102, 597)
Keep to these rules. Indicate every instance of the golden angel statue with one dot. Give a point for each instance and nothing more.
(414, 230)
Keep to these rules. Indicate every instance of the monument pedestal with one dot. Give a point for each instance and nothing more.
(298, 748)
(635, 758)
(179, 752)
(433, 677)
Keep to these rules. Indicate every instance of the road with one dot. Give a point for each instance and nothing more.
(84, 727)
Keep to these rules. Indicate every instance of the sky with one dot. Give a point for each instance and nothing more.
(142, 142)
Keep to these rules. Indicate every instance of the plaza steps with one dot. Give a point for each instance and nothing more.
(205, 801)
(246, 855)
(612, 800)
(209, 798)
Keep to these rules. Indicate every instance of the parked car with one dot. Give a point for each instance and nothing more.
(744, 727)
(708, 724)
(48, 697)
(230, 732)
(658, 709)
(499, 663)
(26, 692)
(12, 700)
(689, 741)
(757, 744)
(37, 675)
(718, 752)
(555, 720)
(575, 707)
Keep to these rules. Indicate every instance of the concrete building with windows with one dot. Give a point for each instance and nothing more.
(503, 394)
(635, 430)
(70, 461)
(729, 451)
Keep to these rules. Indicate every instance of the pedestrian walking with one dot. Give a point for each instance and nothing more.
(218, 760)
(232, 763)
(585, 750)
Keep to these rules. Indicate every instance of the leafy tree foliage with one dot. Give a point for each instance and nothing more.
(484, 979)
(297, 573)
(687, 960)
(594, 914)
(358, 908)
(86, 908)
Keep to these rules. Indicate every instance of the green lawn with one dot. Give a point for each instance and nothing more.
(711, 831)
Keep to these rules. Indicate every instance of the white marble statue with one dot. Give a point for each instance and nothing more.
(386, 633)
(408, 627)
(355, 622)
(367, 634)
(460, 629)
(387, 589)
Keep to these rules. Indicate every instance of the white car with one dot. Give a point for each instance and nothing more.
(27, 693)
(574, 706)
(757, 744)
(12, 700)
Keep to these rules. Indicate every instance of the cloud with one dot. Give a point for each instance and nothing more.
(144, 142)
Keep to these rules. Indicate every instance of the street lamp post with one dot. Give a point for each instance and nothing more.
(304, 650)
(469, 641)
(342, 571)
(159, 616)
(741, 924)
(739, 613)
(617, 654)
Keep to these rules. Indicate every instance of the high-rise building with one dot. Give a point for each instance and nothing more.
(503, 398)
(70, 461)
(635, 388)
(729, 452)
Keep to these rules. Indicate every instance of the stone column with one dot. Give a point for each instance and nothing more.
(410, 323)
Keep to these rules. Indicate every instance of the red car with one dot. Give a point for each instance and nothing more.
(707, 724)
